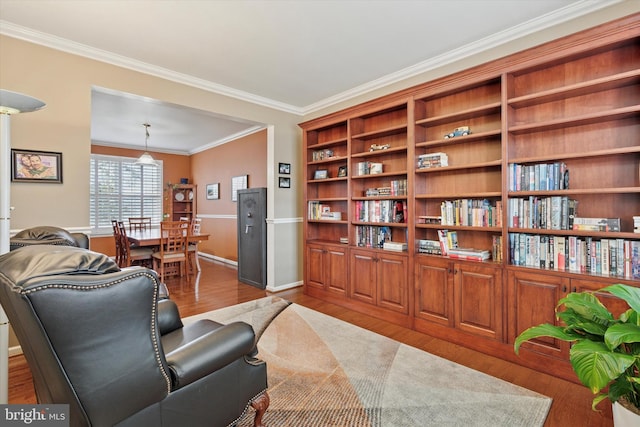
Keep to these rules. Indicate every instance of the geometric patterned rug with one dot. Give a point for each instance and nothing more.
(325, 372)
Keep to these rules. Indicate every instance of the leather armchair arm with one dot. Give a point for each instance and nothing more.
(168, 316)
(209, 353)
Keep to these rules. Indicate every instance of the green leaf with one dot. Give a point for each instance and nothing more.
(596, 366)
(579, 323)
(622, 333)
(628, 293)
(544, 330)
(587, 305)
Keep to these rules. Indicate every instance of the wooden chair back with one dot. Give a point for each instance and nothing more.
(139, 223)
(173, 246)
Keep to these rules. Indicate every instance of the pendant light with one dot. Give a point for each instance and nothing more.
(146, 159)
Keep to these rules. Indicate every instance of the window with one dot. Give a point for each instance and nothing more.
(120, 189)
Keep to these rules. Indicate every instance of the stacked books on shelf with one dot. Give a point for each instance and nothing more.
(469, 254)
(496, 248)
(596, 224)
(471, 212)
(548, 213)
(429, 219)
(538, 177)
(380, 211)
(319, 211)
(636, 224)
(396, 187)
(608, 257)
(431, 247)
(394, 246)
(432, 160)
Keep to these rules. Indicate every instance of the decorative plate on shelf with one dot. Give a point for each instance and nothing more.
(190, 195)
(179, 196)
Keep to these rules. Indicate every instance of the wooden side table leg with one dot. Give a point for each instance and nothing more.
(260, 404)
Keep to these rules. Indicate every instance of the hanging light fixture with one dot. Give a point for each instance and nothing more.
(146, 159)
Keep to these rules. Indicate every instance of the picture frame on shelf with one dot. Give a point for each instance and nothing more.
(321, 174)
(284, 168)
(36, 166)
(342, 171)
(213, 191)
(284, 182)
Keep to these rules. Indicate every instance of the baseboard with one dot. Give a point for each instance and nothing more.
(285, 286)
(15, 350)
(219, 259)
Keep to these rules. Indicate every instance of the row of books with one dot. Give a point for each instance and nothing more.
(549, 213)
(432, 160)
(538, 177)
(380, 211)
(318, 211)
(372, 236)
(609, 257)
(471, 212)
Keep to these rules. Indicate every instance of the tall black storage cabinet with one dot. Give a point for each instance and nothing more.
(252, 237)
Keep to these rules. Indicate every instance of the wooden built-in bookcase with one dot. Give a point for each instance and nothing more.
(553, 138)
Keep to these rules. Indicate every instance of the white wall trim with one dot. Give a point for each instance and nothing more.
(217, 258)
(571, 11)
(283, 220)
(285, 286)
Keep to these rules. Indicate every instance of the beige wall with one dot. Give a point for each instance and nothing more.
(64, 82)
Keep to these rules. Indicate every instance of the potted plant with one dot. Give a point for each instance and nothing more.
(606, 351)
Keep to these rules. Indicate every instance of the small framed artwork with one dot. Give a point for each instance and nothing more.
(284, 168)
(321, 174)
(342, 171)
(238, 183)
(36, 166)
(284, 182)
(213, 191)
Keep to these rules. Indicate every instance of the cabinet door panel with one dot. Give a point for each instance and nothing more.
(614, 304)
(337, 270)
(434, 292)
(478, 300)
(363, 276)
(533, 301)
(315, 266)
(392, 283)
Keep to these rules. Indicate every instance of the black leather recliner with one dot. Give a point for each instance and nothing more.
(48, 235)
(103, 341)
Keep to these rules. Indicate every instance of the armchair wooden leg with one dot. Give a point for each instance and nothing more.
(260, 404)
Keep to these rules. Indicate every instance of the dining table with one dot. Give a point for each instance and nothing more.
(151, 238)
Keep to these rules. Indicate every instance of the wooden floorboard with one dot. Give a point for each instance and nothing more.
(217, 287)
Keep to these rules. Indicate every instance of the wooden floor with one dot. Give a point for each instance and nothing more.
(218, 287)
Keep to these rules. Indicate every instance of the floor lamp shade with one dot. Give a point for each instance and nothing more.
(10, 103)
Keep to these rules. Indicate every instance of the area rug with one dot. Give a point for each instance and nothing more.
(326, 372)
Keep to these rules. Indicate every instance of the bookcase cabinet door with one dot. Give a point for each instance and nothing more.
(478, 300)
(327, 267)
(363, 276)
(532, 301)
(392, 282)
(434, 290)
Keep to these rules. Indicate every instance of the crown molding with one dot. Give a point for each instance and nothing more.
(65, 45)
(543, 22)
(229, 138)
(556, 17)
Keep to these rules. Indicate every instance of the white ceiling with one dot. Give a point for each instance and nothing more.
(295, 56)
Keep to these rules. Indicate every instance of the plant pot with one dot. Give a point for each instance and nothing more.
(623, 417)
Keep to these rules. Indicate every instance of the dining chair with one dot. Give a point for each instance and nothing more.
(139, 223)
(173, 247)
(131, 255)
(194, 229)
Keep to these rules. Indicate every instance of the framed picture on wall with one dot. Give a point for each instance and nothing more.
(36, 166)
(238, 183)
(213, 191)
(284, 182)
(284, 168)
